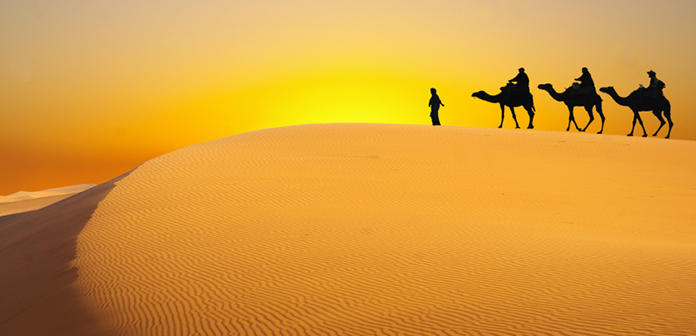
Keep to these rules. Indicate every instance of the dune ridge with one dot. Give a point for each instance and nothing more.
(369, 229)
(23, 195)
(37, 296)
(23, 201)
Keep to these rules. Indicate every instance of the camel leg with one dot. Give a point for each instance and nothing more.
(531, 116)
(589, 112)
(640, 120)
(668, 115)
(658, 114)
(601, 115)
(514, 117)
(502, 115)
(571, 117)
(635, 117)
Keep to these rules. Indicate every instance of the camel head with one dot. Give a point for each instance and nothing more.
(608, 90)
(486, 97)
(545, 87)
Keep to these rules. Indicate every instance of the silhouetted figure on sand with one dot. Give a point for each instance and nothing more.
(586, 85)
(583, 94)
(435, 104)
(508, 98)
(638, 101)
(572, 99)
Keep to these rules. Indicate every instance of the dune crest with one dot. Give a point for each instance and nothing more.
(37, 293)
(23, 195)
(362, 229)
(23, 201)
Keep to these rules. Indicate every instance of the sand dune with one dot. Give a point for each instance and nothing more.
(365, 229)
(24, 195)
(24, 201)
(37, 292)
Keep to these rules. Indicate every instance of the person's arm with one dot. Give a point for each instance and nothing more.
(582, 78)
(655, 83)
(517, 78)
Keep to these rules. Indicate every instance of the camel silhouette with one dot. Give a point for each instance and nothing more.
(507, 97)
(637, 104)
(571, 99)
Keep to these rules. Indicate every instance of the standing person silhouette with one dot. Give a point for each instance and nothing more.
(521, 83)
(435, 107)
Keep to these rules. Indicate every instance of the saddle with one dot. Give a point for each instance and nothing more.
(649, 93)
(576, 89)
(512, 91)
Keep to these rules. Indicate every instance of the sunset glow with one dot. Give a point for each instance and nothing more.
(89, 90)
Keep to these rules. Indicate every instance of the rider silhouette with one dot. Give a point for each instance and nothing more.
(655, 87)
(521, 82)
(586, 83)
(519, 89)
(654, 82)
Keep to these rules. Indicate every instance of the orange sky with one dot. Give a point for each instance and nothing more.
(91, 89)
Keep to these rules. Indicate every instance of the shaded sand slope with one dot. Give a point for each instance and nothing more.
(36, 251)
(27, 201)
(364, 229)
(25, 195)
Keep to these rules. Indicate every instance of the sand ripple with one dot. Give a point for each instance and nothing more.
(358, 229)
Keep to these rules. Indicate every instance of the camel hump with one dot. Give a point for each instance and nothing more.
(584, 90)
(647, 92)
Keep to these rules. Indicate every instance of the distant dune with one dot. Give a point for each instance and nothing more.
(370, 229)
(23, 201)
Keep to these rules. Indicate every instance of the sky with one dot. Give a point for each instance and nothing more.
(91, 89)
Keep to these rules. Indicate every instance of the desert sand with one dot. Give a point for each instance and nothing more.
(37, 287)
(23, 201)
(369, 229)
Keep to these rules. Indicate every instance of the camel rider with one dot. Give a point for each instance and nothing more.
(653, 90)
(586, 83)
(521, 82)
(655, 84)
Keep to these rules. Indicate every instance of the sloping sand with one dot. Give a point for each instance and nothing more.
(25, 195)
(367, 229)
(37, 292)
(24, 201)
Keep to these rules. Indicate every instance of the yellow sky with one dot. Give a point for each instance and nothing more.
(91, 89)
